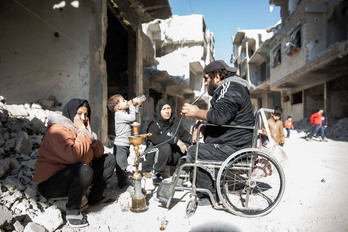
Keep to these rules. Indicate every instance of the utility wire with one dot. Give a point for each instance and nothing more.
(51, 26)
(190, 6)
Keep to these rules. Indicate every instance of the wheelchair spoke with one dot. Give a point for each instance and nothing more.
(251, 183)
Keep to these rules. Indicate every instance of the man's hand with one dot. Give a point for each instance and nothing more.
(189, 110)
(194, 133)
(182, 146)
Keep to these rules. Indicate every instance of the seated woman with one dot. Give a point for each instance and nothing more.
(71, 159)
(163, 127)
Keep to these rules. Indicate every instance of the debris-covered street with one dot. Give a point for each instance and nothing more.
(313, 201)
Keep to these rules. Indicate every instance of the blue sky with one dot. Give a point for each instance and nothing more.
(224, 17)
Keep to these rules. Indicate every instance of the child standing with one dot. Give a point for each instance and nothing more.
(288, 126)
(125, 114)
(276, 126)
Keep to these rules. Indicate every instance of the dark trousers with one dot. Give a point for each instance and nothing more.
(74, 180)
(315, 129)
(213, 152)
(121, 153)
(288, 132)
(167, 154)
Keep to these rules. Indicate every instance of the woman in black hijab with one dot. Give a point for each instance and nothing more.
(71, 158)
(163, 127)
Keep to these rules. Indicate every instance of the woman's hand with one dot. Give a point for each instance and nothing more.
(88, 126)
(78, 123)
(182, 146)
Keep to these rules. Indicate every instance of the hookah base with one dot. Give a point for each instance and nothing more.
(139, 205)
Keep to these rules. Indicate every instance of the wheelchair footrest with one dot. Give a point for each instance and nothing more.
(165, 192)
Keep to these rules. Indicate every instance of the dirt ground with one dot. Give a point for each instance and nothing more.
(314, 200)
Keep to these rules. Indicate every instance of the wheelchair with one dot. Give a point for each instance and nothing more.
(249, 183)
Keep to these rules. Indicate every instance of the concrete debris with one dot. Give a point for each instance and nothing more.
(33, 227)
(5, 216)
(51, 218)
(23, 144)
(22, 128)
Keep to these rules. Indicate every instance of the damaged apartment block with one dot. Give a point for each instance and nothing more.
(304, 65)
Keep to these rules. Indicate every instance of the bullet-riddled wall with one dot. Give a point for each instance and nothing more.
(53, 50)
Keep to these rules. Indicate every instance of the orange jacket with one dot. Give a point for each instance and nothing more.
(63, 145)
(288, 124)
(316, 119)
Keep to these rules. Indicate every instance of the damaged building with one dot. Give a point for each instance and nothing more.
(304, 65)
(182, 47)
(82, 48)
(309, 57)
(251, 49)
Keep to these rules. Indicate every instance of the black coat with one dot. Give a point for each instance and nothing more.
(159, 135)
(230, 105)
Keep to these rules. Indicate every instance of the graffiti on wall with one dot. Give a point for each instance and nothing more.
(84, 70)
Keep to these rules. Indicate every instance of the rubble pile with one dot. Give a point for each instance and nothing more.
(336, 130)
(22, 128)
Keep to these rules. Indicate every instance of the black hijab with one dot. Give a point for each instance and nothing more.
(164, 124)
(70, 108)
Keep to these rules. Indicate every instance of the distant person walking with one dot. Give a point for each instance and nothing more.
(316, 120)
(276, 126)
(288, 126)
(324, 121)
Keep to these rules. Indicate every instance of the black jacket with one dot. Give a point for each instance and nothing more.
(159, 136)
(230, 105)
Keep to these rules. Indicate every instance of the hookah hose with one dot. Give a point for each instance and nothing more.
(176, 130)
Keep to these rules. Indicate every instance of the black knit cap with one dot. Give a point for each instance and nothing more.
(218, 64)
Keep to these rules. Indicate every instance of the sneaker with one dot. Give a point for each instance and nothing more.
(308, 139)
(157, 178)
(77, 221)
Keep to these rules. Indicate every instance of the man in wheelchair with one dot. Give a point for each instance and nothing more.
(230, 105)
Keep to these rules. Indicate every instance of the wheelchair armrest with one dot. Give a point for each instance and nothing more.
(230, 126)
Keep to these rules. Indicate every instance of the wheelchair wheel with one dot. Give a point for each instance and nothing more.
(191, 206)
(250, 183)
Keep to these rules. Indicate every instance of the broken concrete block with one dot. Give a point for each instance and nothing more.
(23, 144)
(17, 110)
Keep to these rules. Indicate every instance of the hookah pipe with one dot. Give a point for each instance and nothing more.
(176, 130)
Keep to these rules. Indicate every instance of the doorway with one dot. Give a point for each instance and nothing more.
(119, 50)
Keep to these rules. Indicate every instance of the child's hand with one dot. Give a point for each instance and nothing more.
(140, 103)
